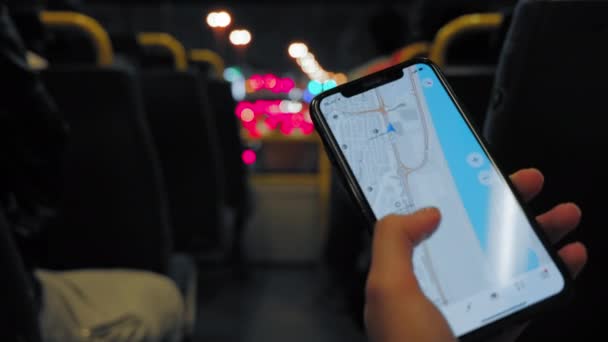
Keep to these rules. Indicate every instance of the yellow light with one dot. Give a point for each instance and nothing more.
(307, 58)
(319, 75)
(297, 50)
(223, 19)
(219, 19)
(212, 19)
(246, 37)
(311, 67)
(240, 37)
(340, 78)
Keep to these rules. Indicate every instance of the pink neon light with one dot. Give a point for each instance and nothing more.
(251, 113)
(249, 157)
(256, 82)
(272, 83)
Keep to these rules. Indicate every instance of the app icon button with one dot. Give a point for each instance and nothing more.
(485, 177)
(475, 159)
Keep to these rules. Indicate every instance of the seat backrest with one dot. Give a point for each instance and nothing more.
(162, 50)
(114, 212)
(66, 46)
(548, 99)
(467, 50)
(127, 50)
(75, 38)
(473, 86)
(186, 141)
(227, 125)
(18, 312)
(468, 39)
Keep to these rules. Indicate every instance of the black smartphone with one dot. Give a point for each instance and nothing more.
(401, 143)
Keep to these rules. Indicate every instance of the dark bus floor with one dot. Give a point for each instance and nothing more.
(271, 304)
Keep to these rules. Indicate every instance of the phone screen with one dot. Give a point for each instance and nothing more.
(409, 147)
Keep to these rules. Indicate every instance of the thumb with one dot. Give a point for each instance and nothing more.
(395, 307)
(394, 239)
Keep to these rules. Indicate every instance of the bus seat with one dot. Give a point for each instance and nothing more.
(470, 73)
(76, 39)
(190, 157)
(208, 62)
(548, 97)
(162, 50)
(236, 180)
(473, 86)
(127, 50)
(114, 212)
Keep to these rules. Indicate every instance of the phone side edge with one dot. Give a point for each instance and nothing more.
(338, 160)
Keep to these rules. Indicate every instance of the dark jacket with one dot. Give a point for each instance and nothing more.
(32, 136)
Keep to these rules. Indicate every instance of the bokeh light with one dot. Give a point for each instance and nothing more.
(270, 82)
(297, 50)
(315, 87)
(247, 115)
(238, 90)
(307, 96)
(232, 74)
(240, 37)
(329, 84)
(295, 94)
(340, 78)
(219, 19)
(249, 157)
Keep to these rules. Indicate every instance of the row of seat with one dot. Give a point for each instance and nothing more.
(540, 108)
(471, 78)
(152, 165)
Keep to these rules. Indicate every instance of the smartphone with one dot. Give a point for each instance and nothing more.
(402, 142)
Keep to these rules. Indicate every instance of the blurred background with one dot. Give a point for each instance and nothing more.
(207, 104)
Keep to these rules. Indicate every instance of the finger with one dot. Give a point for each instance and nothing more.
(528, 182)
(392, 246)
(574, 256)
(560, 220)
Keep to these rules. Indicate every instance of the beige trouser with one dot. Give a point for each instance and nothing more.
(109, 305)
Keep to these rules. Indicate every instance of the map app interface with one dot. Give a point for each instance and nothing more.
(409, 148)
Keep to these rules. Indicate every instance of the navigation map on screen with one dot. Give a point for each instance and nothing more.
(409, 147)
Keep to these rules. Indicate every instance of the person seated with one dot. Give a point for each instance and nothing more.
(78, 305)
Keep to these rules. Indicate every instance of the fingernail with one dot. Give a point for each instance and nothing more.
(542, 176)
(580, 212)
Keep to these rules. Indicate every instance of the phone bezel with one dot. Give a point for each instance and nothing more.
(347, 176)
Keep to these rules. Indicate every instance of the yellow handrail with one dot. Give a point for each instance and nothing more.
(170, 43)
(410, 51)
(98, 34)
(208, 56)
(458, 26)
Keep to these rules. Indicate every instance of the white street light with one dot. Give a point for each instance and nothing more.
(240, 37)
(219, 19)
(297, 50)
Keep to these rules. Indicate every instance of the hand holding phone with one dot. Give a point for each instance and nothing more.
(402, 142)
(387, 296)
(396, 308)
